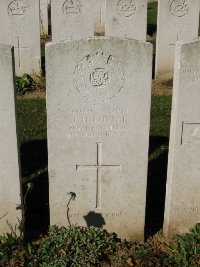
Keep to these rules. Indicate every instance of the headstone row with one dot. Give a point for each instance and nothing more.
(118, 18)
(98, 132)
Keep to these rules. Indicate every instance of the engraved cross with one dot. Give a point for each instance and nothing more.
(18, 48)
(177, 39)
(98, 167)
(101, 15)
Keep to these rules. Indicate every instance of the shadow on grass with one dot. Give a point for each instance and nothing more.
(156, 186)
(35, 177)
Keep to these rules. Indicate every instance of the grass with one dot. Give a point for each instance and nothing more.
(31, 120)
(152, 18)
(160, 115)
(152, 13)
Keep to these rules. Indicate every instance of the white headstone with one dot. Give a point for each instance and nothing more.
(72, 18)
(177, 20)
(98, 104)
(126, 18)
(99, 16)
(182, 209)
(10, 200)
(44, 17)
(20, 27)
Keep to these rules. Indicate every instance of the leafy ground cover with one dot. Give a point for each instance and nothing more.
(84, 247)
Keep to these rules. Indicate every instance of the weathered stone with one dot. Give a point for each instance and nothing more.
(98, 105)
(44, 17)
(125, 18)
(177, 20)
(71, 19)
(20, 27)
(10, 200)
(182, 209)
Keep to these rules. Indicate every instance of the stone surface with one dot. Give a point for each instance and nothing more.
(99, 16)
(71, 19)
(20, 27)
(98, 104)
(182, 209)
(10, 200)
(177, 20)
(44, 17)
(125, 18)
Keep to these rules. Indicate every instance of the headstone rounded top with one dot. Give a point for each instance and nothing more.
(179, 8)
(126, 8)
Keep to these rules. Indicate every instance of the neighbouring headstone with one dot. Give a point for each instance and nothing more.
(182, 208)
(99, 17)
(177, 20)
(126, 19)
(44, 17)
(98, 105)
(72, 18)
(20, 27)
(10, 199)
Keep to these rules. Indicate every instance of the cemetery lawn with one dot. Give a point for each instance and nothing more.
(90, 246)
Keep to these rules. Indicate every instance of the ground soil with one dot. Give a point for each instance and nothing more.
(160, 87)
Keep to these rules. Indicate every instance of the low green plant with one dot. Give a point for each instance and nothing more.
(24, 84)
(89, 247)
(75, 247)
(9, 244)
(185, 250)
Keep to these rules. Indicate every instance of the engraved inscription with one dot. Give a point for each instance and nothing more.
(17, 8)
(99, 77)
(179, 8)
(93, 123)
(126, 8)
(72, 7)
(108, 215)
(193, 73)
(183, 207)
(190, 133)
(98, 167)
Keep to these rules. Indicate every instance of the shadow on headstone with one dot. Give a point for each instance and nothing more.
(35, 188)
(156, 187)
(94, 219)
